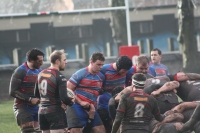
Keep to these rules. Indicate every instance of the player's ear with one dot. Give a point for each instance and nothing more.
(57, 61)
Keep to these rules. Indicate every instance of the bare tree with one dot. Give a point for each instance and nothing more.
(187, 36)
(118, 23)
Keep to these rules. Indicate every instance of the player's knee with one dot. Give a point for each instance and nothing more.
(29, 130)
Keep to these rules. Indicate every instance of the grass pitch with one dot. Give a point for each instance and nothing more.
(7, 119)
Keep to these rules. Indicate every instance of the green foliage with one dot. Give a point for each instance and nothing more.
(8, 123)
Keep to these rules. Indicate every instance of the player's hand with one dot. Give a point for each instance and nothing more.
(73, 100)
(63, 106)
(156, 128)
(155, 93)
(35, 101)
(178, 126)
(85, 104)
(174, 90)
(91, 112)
(169, 112)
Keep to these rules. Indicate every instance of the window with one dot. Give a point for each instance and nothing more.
(8, 36)
(86, 31)
(146, 27)
(73, 32)
(67, 32)
(23, 35)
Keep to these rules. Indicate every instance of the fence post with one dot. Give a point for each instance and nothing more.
(149, 46)
(109, 49)
(170, 44)
(140, 43)
(78, 53)
(198, 42)
(49, 50)
(17, 59)
(85, 50)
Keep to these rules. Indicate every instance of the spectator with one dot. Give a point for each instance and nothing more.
(156, 68)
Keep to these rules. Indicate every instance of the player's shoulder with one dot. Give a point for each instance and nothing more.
(127, 95)
(152, 65)
(21, 69)
(132, 70)
(150, 97)
(81, 72)
(128, 89)
(163, 65)
(107, 67)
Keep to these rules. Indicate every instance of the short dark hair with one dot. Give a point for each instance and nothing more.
(97, 56)
(142, 59)
(56, 54)
(159, 51)
(33, 54)
(138, 80)
(117, 90)
(123, 62)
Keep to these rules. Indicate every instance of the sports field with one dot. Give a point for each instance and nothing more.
(7, 119)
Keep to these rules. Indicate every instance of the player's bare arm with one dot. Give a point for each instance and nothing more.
(176, 117)
(181, 76)
(189, 125)
(185, 105)
(168, 86)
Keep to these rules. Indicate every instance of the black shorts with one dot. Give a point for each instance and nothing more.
(53, 121)
(26, 113)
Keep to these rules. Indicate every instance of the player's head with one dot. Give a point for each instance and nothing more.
(58, 58)
(142, 64)
(156, 55)
(96, 62)
(123, 63)
(117, 90)
(139, 80)
(36, 57)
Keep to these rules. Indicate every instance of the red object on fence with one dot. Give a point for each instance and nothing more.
(129, 51)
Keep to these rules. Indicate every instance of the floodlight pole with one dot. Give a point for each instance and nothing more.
(128, 27)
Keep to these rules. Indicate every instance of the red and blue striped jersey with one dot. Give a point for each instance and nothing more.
(87, 85)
